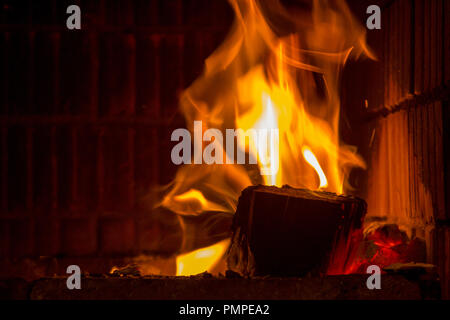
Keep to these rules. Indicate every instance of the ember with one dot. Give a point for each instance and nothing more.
(383, 246)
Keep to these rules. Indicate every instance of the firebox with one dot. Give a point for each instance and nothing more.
(274, 149)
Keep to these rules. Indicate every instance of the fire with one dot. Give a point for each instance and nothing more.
(196, 201)
(277, 69)
(312, 160)
(201, 260)
(263, 116)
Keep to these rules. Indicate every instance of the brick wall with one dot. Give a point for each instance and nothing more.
(408, 109)
(86, 118)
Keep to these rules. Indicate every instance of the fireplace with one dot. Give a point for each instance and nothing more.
(86, 123)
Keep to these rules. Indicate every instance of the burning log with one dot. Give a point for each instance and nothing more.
(291, 232)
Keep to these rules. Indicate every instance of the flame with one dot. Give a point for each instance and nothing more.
(263, 116)
(312, 160)
(196, 200)
(201, 260)
(278, 70)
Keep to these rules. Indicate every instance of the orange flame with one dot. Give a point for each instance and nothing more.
(277, 69)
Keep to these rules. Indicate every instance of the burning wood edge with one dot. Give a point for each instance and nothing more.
(292, 232)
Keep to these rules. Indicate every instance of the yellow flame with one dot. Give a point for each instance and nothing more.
(268, 161)
(201, 260)
(190, 195)
(312, 160)
(263, 117)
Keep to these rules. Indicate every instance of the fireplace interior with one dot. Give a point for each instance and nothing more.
(86, 121)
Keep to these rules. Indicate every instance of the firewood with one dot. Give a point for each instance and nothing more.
(290, 232)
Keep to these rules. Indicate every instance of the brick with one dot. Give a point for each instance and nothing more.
(195, 55)
(42, 12)
(93, 13)
(146, 166)
(172, 52)
(21, 238)
(42, 170)
(118, 168)
(3, 170)
(15, 12)
(79, 70)
(170, 12)
(120, 12)
(47, 76)
(166, 167)
(442, 258)
(87, 189)
(223, 13)
(446, 41)
(64, 167)
(4, 43)
(419, 62)
(117, 236)
(150, 234)
(117, 74)
(79, 237)
(4, 239)
(19, 71)
(146, 12)
(198, 12)
(148, 75)
(47, 236)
